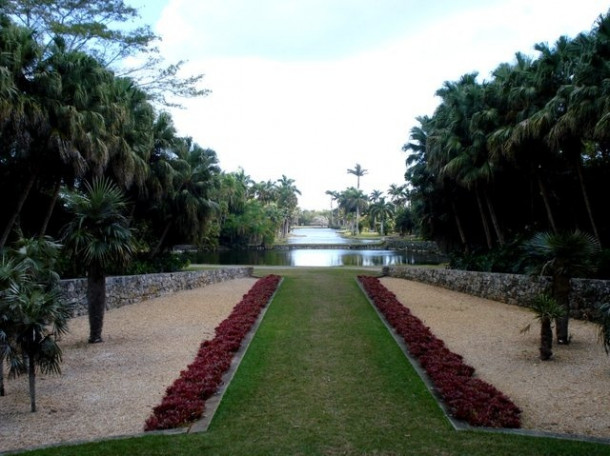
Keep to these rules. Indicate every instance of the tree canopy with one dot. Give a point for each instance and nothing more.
(523, 152)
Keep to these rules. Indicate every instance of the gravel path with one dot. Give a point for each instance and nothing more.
(568, 394)
(109, 389)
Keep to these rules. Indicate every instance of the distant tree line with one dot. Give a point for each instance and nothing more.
(376, 212)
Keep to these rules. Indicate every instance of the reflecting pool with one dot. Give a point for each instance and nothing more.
(313, 257)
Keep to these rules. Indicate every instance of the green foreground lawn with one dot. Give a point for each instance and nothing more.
(323, 376)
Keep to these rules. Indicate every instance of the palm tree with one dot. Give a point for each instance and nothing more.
(375, 195)
(334, 195)
(187, 205)
(98, 236)
(381, 210)
(36, 314)
(563, 256)
(358, 171)
(39, 316)
(547, 310)
(287, 201)
(399, 195)
(353, 200)
(22, 112)
(11, 271)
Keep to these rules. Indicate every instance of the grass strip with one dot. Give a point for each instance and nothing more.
(323, 376)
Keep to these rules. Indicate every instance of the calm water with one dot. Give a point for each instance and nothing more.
(320, 236)
(312, 257)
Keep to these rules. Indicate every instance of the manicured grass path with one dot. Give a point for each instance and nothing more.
(324, 377)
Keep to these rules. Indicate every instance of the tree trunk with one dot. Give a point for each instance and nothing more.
(20, 201)
(585, 196)
(547, 204)
(50, 209)
(2, 392)
(96, 300)
(546, 339)
(32, 379)
(561, 293)
(460, 229)
(157, 248)
(484, 219)
(494, 219)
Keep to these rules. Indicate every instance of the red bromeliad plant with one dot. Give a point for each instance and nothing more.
(467, 398)
(184, 400)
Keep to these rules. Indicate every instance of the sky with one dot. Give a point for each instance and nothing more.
(310, 88)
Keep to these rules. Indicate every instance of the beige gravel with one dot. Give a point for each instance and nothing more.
(568, 394)
(109, 389)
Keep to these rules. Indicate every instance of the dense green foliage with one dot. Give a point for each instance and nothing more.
(32, 315)
(524, 152)
(67, 120)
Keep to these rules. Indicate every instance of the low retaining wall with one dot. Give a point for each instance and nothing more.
(509, 288)
(123, 290)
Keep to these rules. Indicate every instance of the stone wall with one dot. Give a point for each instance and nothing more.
(509, 288)
(123, 290)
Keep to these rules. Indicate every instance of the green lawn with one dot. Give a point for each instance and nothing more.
(324, 377)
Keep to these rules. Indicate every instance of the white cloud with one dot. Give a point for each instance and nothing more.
(313, 118)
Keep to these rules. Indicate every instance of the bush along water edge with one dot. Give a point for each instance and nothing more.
(184, 400)
(467, 398)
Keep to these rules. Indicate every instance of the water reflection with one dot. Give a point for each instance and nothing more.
(305, 257)
(321, 236)
(315, 257)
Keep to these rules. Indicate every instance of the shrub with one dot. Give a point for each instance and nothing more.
(184, 400)
(467, 398)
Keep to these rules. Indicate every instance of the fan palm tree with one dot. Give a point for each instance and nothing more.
(38, 316)
(563, 256)
(11, 271)
(34, 311)
(546, 310)
(98, 236)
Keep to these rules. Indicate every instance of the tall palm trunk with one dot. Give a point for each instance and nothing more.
(159, 244)
(561, 293)
(50, 209)
(585, 196)
(32, 381)
(547, 204)
(2, 392)
(494, 219)
(459, 226)
(96, 298)
(483, 219)
(20, 202)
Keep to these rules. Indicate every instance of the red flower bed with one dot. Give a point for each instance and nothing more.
(184, 400)
(467, 398)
